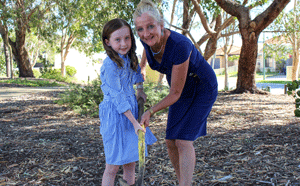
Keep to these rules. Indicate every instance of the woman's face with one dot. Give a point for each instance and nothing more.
(148, 29)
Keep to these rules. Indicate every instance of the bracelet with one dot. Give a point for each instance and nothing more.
(151, 111)
(139, 86)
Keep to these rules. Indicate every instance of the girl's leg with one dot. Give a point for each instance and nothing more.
(109, 175)
(174, 156)
(129, 173)
(187, 161)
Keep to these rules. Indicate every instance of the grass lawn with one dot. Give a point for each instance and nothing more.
(32, 83)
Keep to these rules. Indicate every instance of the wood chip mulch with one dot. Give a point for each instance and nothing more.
(252, 140)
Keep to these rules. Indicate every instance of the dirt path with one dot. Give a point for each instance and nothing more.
(9, 92)
(252, 140)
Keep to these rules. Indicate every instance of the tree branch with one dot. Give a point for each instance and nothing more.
(269, 15)
(202, 17)
(233, 8)
(190, 35)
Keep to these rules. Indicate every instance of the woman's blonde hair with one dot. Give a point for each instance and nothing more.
(147, 6)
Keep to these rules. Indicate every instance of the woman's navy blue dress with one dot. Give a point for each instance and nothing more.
(187, 118)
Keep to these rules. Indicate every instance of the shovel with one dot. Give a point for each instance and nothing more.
(141, 146)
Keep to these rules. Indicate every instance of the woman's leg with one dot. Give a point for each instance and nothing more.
(174, 156)
(109, 175)
(187, 161)
(129, 173)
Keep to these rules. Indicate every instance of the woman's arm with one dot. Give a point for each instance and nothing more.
(179, 74)
(143, 64)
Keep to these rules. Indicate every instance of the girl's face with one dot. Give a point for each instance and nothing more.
(148, 29)
(120, 40)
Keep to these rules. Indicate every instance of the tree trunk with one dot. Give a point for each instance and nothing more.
(226, 83)
(185, 24)
(21, 54)
(247, 63)
(250, 31)
(295, 68)
(211, 47)
(6, 54)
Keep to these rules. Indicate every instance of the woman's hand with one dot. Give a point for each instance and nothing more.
(146, 118)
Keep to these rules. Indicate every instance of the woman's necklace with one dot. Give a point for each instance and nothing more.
(155, 53)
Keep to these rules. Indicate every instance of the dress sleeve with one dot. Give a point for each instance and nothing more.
(181, 52)
(137, 76)
(111, 86)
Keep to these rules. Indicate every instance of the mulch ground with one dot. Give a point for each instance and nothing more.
(252, 140)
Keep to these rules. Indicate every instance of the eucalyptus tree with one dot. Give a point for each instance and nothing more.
(79, 23)
(212, 22)
(18, 18)
(250, 30)
(287, 26)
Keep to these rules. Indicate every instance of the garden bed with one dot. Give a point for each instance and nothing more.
(252, 140)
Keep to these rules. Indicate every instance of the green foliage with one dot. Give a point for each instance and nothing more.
(233, 57)
(49, 73)
(292, 86)
(83, 99)
(32, 83)
(155, 94)
(297, 112)
(71, 71)
(36, 73)
(2, 64)
(86, 99)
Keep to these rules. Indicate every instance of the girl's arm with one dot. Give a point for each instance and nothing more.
(135, 123)
(179, 74)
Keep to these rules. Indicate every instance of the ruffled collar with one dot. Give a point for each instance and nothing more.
(124, 56)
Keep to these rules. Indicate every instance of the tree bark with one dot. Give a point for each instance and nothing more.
(7, 61)
(250, 31)
(295, 68)
(21, 54)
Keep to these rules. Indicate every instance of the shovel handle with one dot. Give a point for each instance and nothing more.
(141, 108)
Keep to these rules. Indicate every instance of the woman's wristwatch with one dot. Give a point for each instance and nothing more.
(151, 111)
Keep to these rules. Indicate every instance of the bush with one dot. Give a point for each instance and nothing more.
(155, 94)
(49, 73)
(36, 73)
(71, 71)
(83, 99)
(86, 99)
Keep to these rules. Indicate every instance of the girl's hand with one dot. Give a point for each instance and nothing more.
(146, 118)
(138, 127)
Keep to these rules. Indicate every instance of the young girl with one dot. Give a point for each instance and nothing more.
(118, 110)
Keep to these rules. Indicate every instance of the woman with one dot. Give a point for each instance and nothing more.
(193, 86)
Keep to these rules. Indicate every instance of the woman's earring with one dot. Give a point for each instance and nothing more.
(162, 32)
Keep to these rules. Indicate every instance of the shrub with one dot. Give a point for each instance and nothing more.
(83, 99)
(36, 73)
(71, 71)
(86, 99)
(49, 73)
(155, 94)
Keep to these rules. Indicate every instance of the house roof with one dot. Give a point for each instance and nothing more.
(276, 40)
(235, 50)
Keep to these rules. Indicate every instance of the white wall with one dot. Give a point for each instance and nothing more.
(82, 63)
